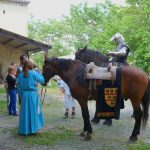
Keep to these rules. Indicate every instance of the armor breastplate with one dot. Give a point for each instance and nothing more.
(121, 59)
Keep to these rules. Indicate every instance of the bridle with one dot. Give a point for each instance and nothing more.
(42, 96)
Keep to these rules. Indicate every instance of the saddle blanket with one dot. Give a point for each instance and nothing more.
(109, 98)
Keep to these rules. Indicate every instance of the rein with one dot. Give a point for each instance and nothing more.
(92, 84)
(42, 97)
(76, 77)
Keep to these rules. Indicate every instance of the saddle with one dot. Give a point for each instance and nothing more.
(94, 72)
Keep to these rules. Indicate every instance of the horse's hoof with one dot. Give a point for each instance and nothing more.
(88, 137)
(132, 140)
(83, 134)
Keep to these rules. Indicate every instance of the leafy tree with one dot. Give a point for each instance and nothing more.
(50, 32)
(99, 23)
(94, 26)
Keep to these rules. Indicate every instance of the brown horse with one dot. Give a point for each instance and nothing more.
(135, 86)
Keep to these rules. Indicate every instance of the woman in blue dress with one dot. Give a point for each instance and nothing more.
(31, 118)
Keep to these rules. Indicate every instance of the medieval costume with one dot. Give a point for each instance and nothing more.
(31, 117)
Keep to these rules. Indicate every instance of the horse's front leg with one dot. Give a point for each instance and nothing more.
(87, 131)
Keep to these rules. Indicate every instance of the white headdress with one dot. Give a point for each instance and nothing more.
(117, 35)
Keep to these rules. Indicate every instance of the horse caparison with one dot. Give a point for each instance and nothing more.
(135, 86)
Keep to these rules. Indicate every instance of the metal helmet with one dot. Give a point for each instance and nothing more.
(117, 36)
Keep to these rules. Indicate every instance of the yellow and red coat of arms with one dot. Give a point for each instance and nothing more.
(110, 96)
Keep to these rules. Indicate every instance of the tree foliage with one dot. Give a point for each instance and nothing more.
(94, 26)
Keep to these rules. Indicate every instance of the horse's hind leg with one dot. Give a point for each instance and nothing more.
(87, 131)
(137, 125)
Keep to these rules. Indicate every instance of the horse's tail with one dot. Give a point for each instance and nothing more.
(145, 105)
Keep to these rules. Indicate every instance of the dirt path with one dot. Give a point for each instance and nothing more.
(104, 138)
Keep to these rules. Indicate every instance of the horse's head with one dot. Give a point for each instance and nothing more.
(49, 68)
(80, 54)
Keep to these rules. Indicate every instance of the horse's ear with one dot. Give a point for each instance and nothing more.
(46, 55)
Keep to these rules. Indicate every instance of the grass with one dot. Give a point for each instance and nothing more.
(3, 102)
(49, 137)
(3, 106)
(139, 146)
(2, 91)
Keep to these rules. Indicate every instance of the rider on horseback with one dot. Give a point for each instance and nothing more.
(119, 58)
(122, 50)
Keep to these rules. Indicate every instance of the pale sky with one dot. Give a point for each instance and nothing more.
(55, 9)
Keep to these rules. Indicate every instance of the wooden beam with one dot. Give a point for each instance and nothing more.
(7, 41)
(34, 49)
(21, 45)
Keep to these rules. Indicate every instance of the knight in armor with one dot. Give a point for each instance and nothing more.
(119, 58)
(122, 50)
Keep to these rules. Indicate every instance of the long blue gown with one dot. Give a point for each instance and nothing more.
(31, 118)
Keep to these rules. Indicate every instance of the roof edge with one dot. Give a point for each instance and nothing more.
(23, 2)
(18, 36)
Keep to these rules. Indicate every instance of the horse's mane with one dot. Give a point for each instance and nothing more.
(63, 63)
(91, 53)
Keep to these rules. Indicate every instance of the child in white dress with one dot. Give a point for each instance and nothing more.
(69, 101)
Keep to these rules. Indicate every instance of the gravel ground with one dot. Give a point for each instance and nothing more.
(104, 138)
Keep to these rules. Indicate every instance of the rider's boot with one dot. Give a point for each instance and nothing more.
(95, 120)
(107, 122)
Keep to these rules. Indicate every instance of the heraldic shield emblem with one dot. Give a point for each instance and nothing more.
(110, 96)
